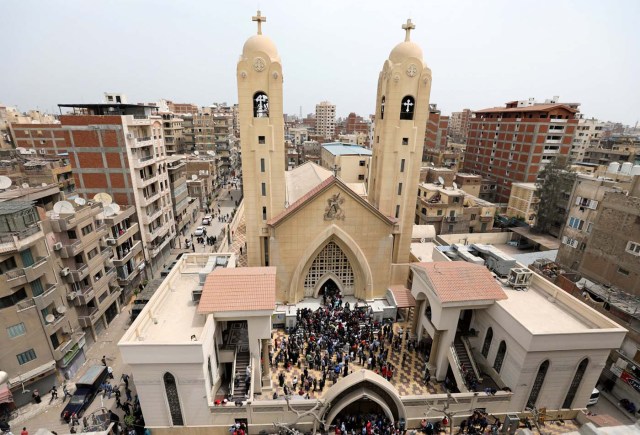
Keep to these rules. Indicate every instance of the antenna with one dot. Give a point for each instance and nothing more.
(63, 207)
(5, 182)
(104, 198)
(80, 201)
(441, 180)
(197, 153)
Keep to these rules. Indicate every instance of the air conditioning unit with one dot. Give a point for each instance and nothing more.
(72, 295)
(57, 246)
(65, 272)
(111, 241)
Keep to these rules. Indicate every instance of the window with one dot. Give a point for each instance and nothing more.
(382, 107)
(173, 399)
(589, 227)
(27, 356)
(36, 287)
(361, 162)
(586, 203)
(361, 177)
(473, 217)
(261, 165)
(402, 165)
(439, 213)
(87, 230)
(407, 107)
(12, 299)
(92, 253)
(16, 330)
(622, 271)
(7, 265)
(575, 383)
(261, 140)
(405, 141)
(377, 139)
(502, 350)
(633, 248)
(399, 188)
(537, 384)
(570, 242)
(260, 105)
(576, 223)
(487, 342)
(264, 213)
(264, 189)
(397, 211)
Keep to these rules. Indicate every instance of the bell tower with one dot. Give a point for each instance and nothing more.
(259, 75)
(402, 109)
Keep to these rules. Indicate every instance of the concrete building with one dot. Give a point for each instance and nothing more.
(351, 162)
(619, 148)
(470, 183)
(360, 139)
(173, 137)
(451, 210)
(523, 202)
(177, 168)
(298, 135)
(459, 125)
(124, 156)
(203, 178)
(325, 120)
(452, 158)
(587, 135)
(35, 170)
(78, 237)
(437, 127)
(513, 143)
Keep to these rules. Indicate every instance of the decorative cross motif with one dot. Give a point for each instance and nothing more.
(408, 27)
(408, 105)
(335, 169)
(260, 19)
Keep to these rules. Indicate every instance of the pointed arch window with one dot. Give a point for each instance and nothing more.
(407, 107)
(502, 350)
(537, 384)
(575, 383)
(487, 342)
(171, 389)
(260, 105)
(382, 103)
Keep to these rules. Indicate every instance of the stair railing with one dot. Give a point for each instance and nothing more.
(474, 366)
(233, 372)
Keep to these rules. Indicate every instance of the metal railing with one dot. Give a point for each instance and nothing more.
(233, 372)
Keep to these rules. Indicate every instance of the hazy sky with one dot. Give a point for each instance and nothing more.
(482, 53)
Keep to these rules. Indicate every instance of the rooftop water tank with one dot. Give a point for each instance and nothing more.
(635, 170)
(613, 168)
(626, 168)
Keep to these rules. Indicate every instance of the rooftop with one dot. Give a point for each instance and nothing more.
(344, 149)
(534, 108)
(241, 289)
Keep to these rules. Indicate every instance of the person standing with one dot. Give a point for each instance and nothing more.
(104, 360)
(110, 371)
(24, 431)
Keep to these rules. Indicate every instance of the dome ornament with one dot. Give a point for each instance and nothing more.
(408, 27)
(260, 19)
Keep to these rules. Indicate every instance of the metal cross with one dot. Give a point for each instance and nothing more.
(260, 19)
(408, 105)
(408, 27)
(335, 169)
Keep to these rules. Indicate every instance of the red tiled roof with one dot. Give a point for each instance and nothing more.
(535, 108)
(459, 281)
(239, 289)
(403, 296)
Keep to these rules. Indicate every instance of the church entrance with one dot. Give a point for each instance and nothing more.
(329, 288)
(330, 271)
(358, 414)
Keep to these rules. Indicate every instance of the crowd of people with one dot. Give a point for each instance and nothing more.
(330, 339)
(366, 424)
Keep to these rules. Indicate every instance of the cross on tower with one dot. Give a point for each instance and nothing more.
(259, 19)
(408, 105)
(408, 27)
(335, 169)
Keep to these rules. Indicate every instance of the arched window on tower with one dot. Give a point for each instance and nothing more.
(171, 389)
(260, 105)
(502, 350)
(573, 388)
(487, 342)
(537, 384)
(406, 107)
(382, 107)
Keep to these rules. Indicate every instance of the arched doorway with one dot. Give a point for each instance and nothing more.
(328, 285)
(333, 263)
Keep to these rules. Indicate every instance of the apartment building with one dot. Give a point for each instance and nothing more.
(86, 266)
(325, 120)
(179, 193)
(182, 108)
(116, 148)
(459, 125)
(349, 162)
(523, 202)
(9, 115)
(619, 148)
(41, 333)
(513, 143)
(588, 135)
(452, 211)
(125, 241)
(35, 170)
(452, 158)
(470, 183)
(213, 135)
(298, 135)
(173, 137)
(437, 127)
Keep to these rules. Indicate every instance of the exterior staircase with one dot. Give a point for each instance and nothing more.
(241, 388)
(470, 372)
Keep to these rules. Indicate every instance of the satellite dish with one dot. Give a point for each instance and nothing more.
(63, 207)
(80, 201)
(197, 153)
(211, 153)
(50, 318)
(194, 177)
(61, 309)
(25, 185)
(441, 180)
(432, 164)
(5, 182)
(115, 207)
(108, 210)
(455, 185)
(103, 197)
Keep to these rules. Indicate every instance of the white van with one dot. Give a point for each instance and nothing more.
(595, 395)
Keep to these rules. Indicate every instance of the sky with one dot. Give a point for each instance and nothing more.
(482, 53)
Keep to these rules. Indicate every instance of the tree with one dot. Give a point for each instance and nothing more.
(554, 181)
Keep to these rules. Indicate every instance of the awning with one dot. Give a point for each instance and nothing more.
(5, 394)
(402, 296)
(44, 368)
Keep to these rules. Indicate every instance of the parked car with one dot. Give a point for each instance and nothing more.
(199, 232)
(207, 220)
(595, 395)
(86, 389)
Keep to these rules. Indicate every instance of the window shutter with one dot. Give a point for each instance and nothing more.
(578, 200)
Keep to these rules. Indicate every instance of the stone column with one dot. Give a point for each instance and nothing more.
(265, 370)
(433, 355)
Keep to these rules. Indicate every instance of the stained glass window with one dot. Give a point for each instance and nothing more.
(573, 388)
(171, 389)
(537, 384)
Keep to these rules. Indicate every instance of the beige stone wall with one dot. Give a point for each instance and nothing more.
(361, 234)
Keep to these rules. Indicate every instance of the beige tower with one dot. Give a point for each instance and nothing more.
(402, 109)
(262, 139)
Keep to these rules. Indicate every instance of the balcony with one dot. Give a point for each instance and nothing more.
(17, 241)
(152, 213)
(558, 120)
(64, 223)
(553, 141)
(428, 218)
(137, 247)
(70, 250)
(155, 250)
(142, 142)
(126, 280)
(551, 151)
(88, 317)
(25, 305)
(144, 182)
(69, 346)
(79, 274)
(47, 297)
(128, 233)
(36, 270)
(148, 200)
(84, 295)
(451, 218)
(144, 161)
(52, 326)
(16, 277)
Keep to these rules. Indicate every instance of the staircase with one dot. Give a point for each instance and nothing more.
(241, 388)
(470, 373)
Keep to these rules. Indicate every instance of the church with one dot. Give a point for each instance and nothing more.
(204, 351)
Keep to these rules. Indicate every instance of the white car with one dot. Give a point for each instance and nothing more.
(199, 232)
(207, 220)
